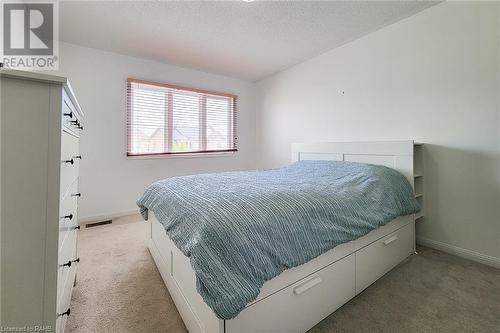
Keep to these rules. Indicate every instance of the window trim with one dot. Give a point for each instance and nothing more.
(199, 153)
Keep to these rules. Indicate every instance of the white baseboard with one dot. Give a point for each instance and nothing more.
(99, 218)
(460, 252)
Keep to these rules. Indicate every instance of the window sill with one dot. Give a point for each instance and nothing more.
(186, 155)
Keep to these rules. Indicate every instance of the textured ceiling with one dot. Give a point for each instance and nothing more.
(248, 40)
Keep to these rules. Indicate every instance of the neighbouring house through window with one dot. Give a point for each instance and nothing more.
(168, 119)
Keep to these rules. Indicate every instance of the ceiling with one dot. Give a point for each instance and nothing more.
(247, 40)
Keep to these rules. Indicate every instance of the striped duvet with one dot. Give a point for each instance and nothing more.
(243, 228)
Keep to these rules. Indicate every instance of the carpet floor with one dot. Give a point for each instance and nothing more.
(119, 289)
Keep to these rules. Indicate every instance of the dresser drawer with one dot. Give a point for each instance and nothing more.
(64, 301)
(68, 250)
(300, 306)
(70, 161)
(65, 288)
(69, 116)
(68, 211)
(72, 121)
(66, 274)
(381, 256)
(61, 323)
(66, 253)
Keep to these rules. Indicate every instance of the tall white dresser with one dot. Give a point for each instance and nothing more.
(40, 126)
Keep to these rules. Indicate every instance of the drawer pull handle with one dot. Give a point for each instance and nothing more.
(75, 122)
(70, 217)
(65, 313)
(307, 285)
(77, 157)
(76, 228)
(70, 262)
(80, 127)
(76, 195)
(71, 161)
(390, 240)
(68, 114)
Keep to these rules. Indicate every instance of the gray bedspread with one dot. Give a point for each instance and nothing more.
(243, 228)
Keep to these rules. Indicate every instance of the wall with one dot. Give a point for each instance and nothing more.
(110, 183)
(433, 78)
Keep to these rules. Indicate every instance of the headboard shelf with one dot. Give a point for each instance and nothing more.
(404, 156)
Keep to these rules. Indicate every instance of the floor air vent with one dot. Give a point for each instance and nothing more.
(95, 224)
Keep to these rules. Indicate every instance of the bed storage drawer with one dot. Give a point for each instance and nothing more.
(164, 244)
(301, 305)
(381, 256)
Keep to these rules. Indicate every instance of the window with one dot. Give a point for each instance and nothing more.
(167, 119)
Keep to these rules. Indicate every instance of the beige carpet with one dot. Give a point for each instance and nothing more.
(120, 290)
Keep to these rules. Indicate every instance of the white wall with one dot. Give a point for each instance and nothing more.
(433, 78)
(110, 183)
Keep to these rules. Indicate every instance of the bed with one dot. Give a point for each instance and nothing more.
(300, 297)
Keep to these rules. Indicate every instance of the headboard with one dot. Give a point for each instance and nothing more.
(394, 154)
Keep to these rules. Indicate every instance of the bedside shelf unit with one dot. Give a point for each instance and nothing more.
(418, 178)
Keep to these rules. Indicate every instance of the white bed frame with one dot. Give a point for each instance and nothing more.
(300, 297)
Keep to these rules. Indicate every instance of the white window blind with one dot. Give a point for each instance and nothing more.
(168, 119)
